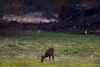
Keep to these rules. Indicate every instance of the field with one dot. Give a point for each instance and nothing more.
(71, 50)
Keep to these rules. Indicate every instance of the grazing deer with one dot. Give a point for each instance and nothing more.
(48, 53)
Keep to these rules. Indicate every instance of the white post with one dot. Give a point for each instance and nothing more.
(86, 32)
(38, 32)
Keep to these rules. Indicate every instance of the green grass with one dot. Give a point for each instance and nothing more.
(71, 50)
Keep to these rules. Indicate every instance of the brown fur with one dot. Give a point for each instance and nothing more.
(48, 53)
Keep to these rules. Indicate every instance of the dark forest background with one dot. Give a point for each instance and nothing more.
(73, 15)
(42, 5)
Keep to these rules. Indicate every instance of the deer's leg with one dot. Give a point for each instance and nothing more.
(53, 57)
(49, 58)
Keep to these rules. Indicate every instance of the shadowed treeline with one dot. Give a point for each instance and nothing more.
(77, 17)
(12, 28)
(53, 6)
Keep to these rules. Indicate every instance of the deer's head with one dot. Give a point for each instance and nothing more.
(42, 58)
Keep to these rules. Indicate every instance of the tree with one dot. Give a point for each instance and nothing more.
(70, 11)
(1, 8)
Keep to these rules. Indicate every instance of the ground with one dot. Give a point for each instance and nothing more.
(71, 50)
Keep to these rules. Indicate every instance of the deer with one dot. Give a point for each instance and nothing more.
(48, 53)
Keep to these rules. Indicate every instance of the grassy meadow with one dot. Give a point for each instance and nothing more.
(71, 50)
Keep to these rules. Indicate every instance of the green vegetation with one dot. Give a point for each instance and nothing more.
(71, 50)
